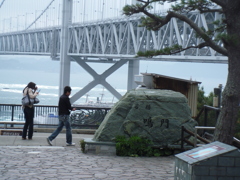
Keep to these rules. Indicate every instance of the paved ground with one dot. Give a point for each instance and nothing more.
(34, 159)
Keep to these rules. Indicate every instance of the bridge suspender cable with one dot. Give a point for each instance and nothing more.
(2, 3)
(40, 15)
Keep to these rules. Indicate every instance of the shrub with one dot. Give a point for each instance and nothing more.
(136, 146)
(82, 145)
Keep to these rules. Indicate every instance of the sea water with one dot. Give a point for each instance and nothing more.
(16, 72)
(13, 93)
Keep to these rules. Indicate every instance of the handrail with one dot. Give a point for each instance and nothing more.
(194, 134)
(204, 127)
(75, 106)
(206, 107)
(47, 115)
(212, 108)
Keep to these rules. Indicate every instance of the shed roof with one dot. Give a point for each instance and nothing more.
(169, 77)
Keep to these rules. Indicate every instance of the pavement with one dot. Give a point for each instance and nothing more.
(35, 159)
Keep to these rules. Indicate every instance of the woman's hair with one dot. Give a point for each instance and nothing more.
(31, 85)
(67, 89)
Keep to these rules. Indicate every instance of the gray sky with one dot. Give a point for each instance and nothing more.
(17, 14)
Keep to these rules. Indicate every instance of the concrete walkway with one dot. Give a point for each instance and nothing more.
(35, 159)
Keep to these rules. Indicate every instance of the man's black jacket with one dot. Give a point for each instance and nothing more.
(64, 105)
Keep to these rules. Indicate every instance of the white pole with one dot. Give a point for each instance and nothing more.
(64, 58)
(133, 69)
(102, 9)
(59, 13)
(84, 10)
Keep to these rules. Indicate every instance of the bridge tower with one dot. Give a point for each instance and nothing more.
(133, 68)
(65, 59)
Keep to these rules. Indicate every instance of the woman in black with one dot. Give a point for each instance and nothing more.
(29, 111)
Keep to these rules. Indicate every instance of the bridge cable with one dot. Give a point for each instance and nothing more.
(40, 15)
(2, 3)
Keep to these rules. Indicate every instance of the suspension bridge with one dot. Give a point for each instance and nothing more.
(96, 31)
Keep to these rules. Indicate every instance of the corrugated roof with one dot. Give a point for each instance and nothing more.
(169, 77)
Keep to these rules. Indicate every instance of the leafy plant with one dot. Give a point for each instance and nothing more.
(206, 100)
(82, 145)
(137, 146)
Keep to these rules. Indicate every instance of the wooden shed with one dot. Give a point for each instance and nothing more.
(157, 81)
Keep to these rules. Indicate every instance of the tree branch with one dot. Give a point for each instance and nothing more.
(143, 1)
(211, 10)
(198, 30)
(219, 2)
(173, 51)
(201, 45)
(206, 38)
(156, 22)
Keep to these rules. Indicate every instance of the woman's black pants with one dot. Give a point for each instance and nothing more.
(29, 115)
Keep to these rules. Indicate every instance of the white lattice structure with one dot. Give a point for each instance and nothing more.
(113, 39)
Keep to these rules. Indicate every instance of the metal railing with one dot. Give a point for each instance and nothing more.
(208, 121)
(206, 109)
(186, 134)
(46, 116)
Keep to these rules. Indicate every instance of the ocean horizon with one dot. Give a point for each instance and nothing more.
(12, 94)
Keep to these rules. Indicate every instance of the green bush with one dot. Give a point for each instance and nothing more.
(82, 145)
(136, 146)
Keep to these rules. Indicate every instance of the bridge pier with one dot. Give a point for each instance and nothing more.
(133, 69)
(64, 58)
(97, 78)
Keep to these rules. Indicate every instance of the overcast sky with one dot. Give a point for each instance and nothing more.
(18, 14)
